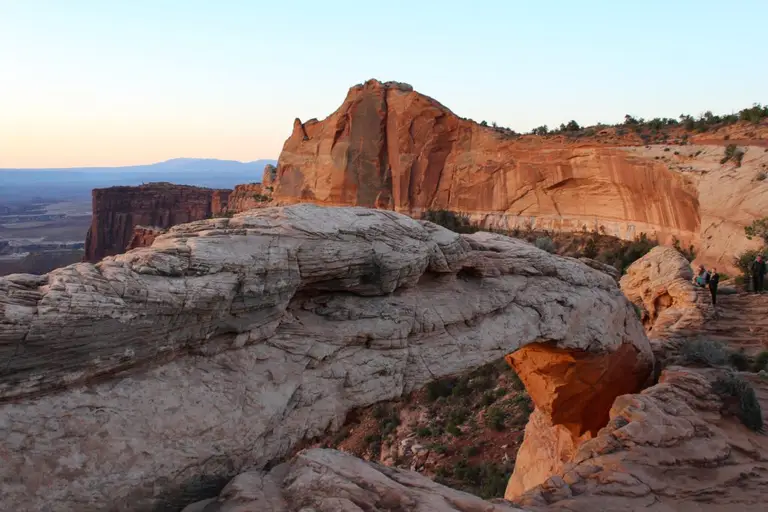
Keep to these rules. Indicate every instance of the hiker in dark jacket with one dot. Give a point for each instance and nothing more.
(758, 274)
(714, 279)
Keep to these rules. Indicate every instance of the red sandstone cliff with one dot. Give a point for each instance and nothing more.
(390, 147)
(118, 210)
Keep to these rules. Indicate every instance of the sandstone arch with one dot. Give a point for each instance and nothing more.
(229, 340)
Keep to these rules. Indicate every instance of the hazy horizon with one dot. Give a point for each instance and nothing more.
(97, 84)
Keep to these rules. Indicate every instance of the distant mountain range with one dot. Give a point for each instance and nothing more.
(77, 182)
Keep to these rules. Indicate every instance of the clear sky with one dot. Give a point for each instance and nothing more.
(124, 82)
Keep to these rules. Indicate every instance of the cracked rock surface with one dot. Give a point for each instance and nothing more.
(148, 380)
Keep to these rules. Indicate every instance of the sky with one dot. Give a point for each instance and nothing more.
(97, 83)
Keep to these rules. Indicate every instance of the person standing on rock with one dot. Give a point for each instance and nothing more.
(758, 274)
(714, 279)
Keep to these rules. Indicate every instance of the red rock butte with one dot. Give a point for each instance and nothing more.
(388, 146)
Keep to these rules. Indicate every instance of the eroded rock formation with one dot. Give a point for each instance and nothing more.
(660, 284)
(672, 447)
(229, 340)
(332, 481)
(118, 210)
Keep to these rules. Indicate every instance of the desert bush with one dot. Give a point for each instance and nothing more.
(458, 415)
(744, 260)
(754, 114)
(689, 253)
(590, 248)
(450, 220)
(545, 244)
(424, 432)
(261, 198)
(439, 388)
(761, 361)
(453, 430)
(730, 151)
(732, 386)
(759, 229)
(493, 480)
(488, 398)
(572, 126)
(495, 418)
(541, 130)
(760, 176)
(739, 360)
(704, 352)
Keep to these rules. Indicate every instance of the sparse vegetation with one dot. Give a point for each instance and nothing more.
(759, 229)
(655, 129)
(689, 253)
(740, 395)
(734, 154)
(704, 353)
(495, 418)
(760, 176)
(761, 362)
(261, 198)
(545, 243)
(450, 220)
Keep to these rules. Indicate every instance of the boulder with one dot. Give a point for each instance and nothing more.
(331, 481)
(660, 284)
(148, 380)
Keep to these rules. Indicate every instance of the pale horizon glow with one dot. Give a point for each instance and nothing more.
(94, 83)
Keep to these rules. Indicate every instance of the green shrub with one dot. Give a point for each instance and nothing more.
(761, 361)
(261, 198)
(744, 260)
(761, 176)
(493, 480)
(439, 448)
(424, 432)
(439, 388)
(450, 220)
(739, 360)
(689, 253)
(704, 352)
(590, 249)
(495, 418)
(458, 415)
(758, 229)
(730, 151)
(453, 430)
(732, 386)
(545, 244)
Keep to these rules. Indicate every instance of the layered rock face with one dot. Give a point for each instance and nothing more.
(118, 210)
(390, 147)
(660, 285)
(229, 340)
